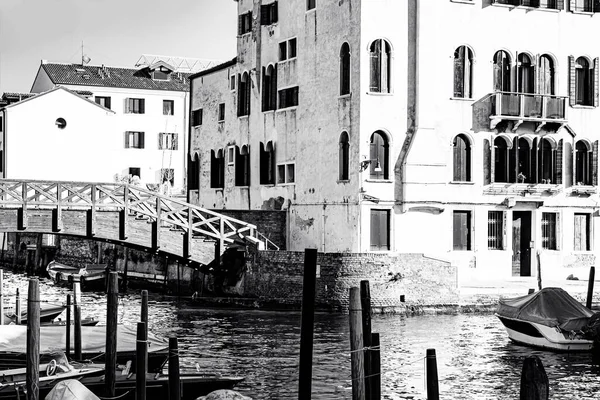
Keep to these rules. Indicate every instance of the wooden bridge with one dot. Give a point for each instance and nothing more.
(124, 214)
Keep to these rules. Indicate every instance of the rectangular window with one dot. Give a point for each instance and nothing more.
(292, 48)
(135, 171)
(245, 23)
(380, 230)
(286, 173)
(221, 112)
(48, 240)
(134, 106)
(168, 107)
(232, 82)
(161, 74)
(134, 140)
(310, 4)
(288, 97)
(282, 51)
(495, 230)
(549, 231)
(268, 13)
(197, 117)
(231, 155)
(462, 230)
(167, 141)
(582, 232)
(167, 175)
(104, 101)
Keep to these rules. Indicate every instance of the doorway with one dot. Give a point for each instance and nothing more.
(521, 259)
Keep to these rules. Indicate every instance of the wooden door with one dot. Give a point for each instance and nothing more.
(521, 260)
(516, 258)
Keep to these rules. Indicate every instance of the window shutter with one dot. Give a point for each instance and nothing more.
(572, 80)
(160, 141)
(559, 162)
(126, 106)
(141, 139)
(487, 162)
(375, 230)
(247, 93)
(536, 161)
(595, 77)
(459, 74)
(142, 106)
(569, 168)
(375, 71)
(273, 104)
(175, 142)
(240, 22)
(595, 164)
(265, 88)
(264, 14)
(107, 103)
(572, 5)
(282, 99)
(275, 12)
(126, 140)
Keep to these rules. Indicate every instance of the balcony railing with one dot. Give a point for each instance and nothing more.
(542, 108)
(547, 4)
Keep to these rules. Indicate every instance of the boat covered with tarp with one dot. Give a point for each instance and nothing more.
(550, 318)
(13, 344)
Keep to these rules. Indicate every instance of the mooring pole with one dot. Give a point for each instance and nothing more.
(112, 312)
(141, 351)
(433, 390)
(18, 312)
(68, 328)
(307, 324)
(357, 358)
(375, 367)
(33, 341)
(125, 268)
(77, 319)
(590, 292)
(144, 310)
(174, 385)
(534, 381)
(365, 302)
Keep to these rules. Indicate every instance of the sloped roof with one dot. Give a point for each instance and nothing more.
(73, 92)
(209, 71)
(102, 76)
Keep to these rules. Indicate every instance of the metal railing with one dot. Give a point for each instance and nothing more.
(529, 106)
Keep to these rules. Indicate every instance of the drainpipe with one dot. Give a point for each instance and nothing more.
(189, 138)
(412, 97)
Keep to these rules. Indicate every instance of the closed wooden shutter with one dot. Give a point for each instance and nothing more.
(126, 140)
(559, 162)
(175, 145)
(569, 170)
(142, 106)
(572, 79)
(380, 230)
(160, 141)
(274, 12)
(266, 89)
(107, 103)
(595, 164)
(375, 85)
(240, 24)
(461, 230)
(595, 78)
(126, 106)
(579, 233)
(487, 162)
(248, 89)
(264, 14)
(572, 6)
(142, 134)
(273, 104)
(459, 73)
(536, 167)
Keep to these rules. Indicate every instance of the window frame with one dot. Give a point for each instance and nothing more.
(589, 231)
(135, 105)
(549, 230)
(463, 72)
(344, 157)
(131, 171)
(465, 234)
(376, 150)
(285, 180)
(311, 5)
(168, 141)
(217, 169)
(376, 215)
(345, 72)
(171, 108)
(379, 64)
(103, 101)
(496, 230)
(288, 97)
(197, 117)
(221, 113)
(460, 156)
(134, 140)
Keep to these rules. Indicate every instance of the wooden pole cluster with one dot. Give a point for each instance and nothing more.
(33, 341)
(590, 291)
(112, 310)
(307, 324)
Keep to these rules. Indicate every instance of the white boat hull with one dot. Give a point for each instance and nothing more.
(542, 336)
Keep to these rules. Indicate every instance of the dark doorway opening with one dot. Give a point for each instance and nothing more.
(521, 259)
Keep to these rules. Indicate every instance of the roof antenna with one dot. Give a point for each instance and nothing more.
(84, 58)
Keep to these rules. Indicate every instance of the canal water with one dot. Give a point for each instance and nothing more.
(475, 358)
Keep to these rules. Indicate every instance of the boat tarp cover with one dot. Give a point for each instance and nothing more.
(550, 306)
(13, 339)
(70, 389)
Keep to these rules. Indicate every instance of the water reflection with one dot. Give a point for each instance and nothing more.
(475, 358)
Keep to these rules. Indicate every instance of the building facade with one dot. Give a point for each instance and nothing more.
(150, 106)
(412, 126)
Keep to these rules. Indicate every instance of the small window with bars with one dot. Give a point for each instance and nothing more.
(549, 226)
(495, 230)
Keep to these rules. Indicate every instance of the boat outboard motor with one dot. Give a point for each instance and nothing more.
(592, 329)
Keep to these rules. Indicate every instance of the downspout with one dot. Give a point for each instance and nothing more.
(411, 100)
(189, 140)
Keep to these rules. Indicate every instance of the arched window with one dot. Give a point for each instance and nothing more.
(380, 154)
(500, 160)
(242, 166)
(583, 163)
(583, 82)
(193, 172)
(269, 91)
(345, 69)
(463, 72)
(525, 75)
(381, 66)
(546, 75)
(462, 159)
(217, 169)
(344, 156)
(502, 71)
(546, 162)
(244, 94)
(267, 164)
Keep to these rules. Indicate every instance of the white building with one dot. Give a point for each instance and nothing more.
(150, 107)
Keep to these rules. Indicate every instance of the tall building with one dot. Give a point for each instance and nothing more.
(150, 105)
(453, 128)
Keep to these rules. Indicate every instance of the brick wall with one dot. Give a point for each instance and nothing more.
(272, 224)
(422, 281)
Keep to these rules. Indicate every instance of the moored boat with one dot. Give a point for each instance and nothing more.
(549, 319)
(48, 313)
(91, 276)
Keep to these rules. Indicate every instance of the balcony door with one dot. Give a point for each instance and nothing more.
(521, 259)
(546, 75)
(526, 74)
